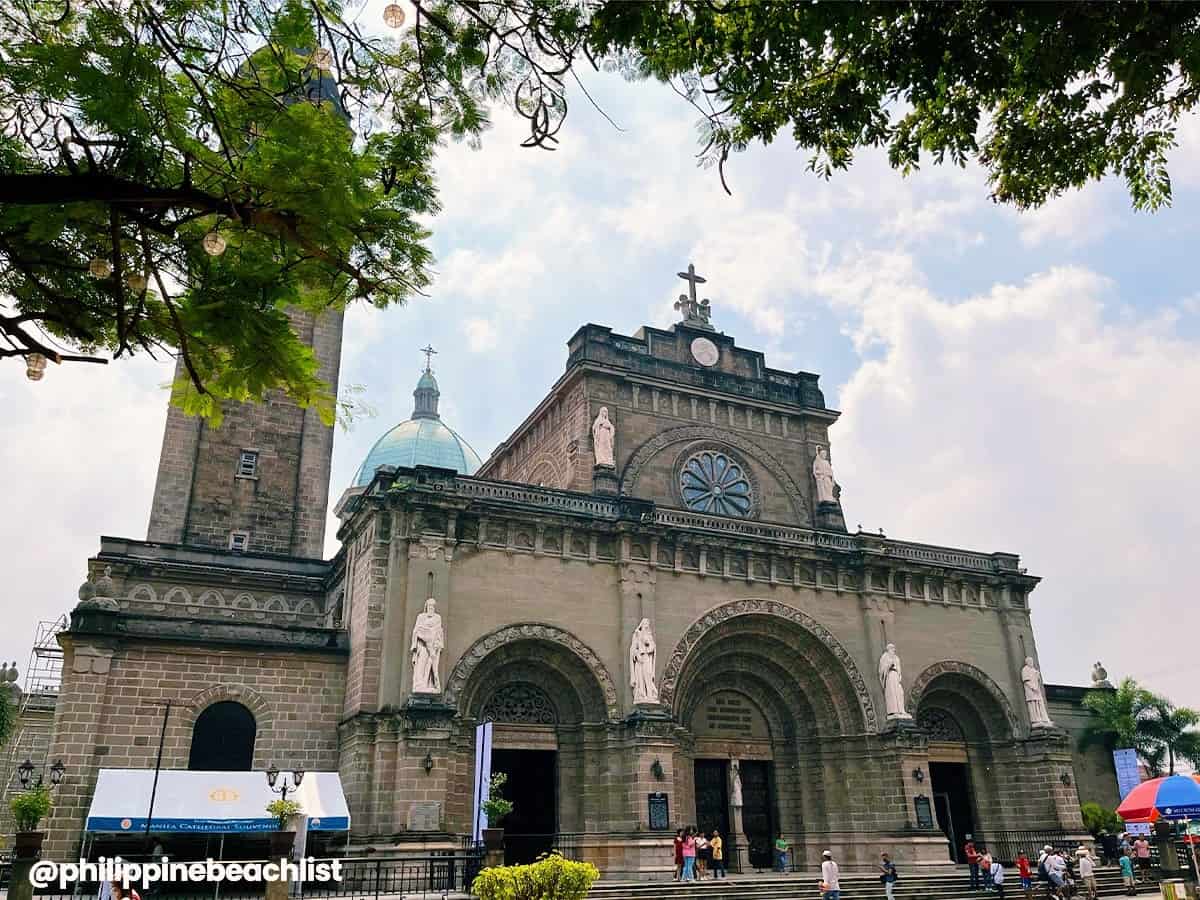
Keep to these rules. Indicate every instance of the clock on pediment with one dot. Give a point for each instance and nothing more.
(705, 351)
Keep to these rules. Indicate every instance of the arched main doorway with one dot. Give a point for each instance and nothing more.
(964, 718)
(542, 698)
(761, 684)
(223, 738)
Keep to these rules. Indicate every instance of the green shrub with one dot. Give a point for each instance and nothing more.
(30, 807)
(550, 878)
(495, 806)
(1097, 818)
(283, 810)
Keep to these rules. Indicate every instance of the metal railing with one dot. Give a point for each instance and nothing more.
(1006, 845)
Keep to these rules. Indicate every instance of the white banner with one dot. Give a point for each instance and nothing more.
(483, 775)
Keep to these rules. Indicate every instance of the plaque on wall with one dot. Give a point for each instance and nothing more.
(924, 812)
(660, 811)
(425, 816)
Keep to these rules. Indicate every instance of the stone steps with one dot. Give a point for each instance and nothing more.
(950, 886)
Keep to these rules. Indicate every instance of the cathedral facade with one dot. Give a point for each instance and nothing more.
(649, 590)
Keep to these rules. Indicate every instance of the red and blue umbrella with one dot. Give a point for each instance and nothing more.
(1172, 797)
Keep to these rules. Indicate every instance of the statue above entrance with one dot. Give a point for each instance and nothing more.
(602, 439)
(642, 651)
(890, 681)
(1035, 695)
(428, 639)
(695, 312)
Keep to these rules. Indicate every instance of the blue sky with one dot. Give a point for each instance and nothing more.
(1018, 382)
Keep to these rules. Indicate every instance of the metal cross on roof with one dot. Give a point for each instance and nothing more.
(429, 354)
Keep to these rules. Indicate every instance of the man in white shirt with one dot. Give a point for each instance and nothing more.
(1087, 872)
(829, 877)
(998, 879)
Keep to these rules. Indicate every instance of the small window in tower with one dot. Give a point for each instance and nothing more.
(239, 540)
(248, 464)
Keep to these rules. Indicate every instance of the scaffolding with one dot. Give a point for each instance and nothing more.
(43, 675)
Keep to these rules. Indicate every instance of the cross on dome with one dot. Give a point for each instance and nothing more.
(430, 353)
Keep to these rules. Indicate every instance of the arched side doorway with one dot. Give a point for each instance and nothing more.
(223, 738)
(965, 717)
(543, 698)
(760, 687)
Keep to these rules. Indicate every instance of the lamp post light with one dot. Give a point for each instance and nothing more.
(284, 788)
(25, 774)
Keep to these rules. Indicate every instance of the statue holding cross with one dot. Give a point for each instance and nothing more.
(695, 312)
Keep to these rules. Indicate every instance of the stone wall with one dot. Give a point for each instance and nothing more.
(112, 701)
(1094, 771)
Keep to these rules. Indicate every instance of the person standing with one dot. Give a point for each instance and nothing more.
(887, 875)
(830, 884)
(702, 855)
(678, 853)
(1141, 849)
(997, 871)
(781, 854)
(972, 856)
(717, 846)
(1087, 872)
(689, 855)
(1026, 873)
(985, 867)
(1126, 861)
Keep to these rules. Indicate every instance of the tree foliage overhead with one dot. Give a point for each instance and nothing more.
(302, 139)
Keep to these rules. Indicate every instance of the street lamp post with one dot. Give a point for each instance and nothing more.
(25, 774)
(283, 788)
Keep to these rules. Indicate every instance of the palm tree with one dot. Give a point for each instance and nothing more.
(1173, 729)
(1119, 717)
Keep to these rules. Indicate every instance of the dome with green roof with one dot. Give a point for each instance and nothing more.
(423, 440)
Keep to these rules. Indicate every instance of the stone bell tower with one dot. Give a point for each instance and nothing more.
(260, 482)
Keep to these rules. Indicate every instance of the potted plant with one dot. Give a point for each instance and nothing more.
(28, 809)
(285, 813)
(496, 808)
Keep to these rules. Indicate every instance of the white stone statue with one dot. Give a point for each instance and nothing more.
(1035, 694)
(735, 780)
(642, 650)
(428, 639)
(602, 438)
(823, 476)
(890, 681)
(1100, 676)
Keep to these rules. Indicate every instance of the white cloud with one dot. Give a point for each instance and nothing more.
(1076, 218)
(1025, 420)
(481, 335)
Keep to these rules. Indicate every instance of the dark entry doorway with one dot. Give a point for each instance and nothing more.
(712, 797)
(532, 786)
(951, 786)
(758, 819)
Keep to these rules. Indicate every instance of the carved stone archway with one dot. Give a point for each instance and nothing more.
(974, 674)
(753, 607)
(710, 435)
(531, 631)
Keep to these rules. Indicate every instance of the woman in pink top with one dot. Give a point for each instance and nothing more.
(689, 855)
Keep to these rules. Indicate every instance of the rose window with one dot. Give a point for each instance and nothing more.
(711, 482)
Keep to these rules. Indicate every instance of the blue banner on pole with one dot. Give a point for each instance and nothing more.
(483, 776)
(1128, 776)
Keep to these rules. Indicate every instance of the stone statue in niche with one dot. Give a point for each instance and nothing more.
(1035, 695)
(735, 783)
(642, 651)
(890, 681)
(428, 639)
(822, 473)
(602, 439)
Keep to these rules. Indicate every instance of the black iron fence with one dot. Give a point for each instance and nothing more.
(1006, 845)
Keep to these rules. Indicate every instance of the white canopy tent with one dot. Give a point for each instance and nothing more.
(208, 802)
